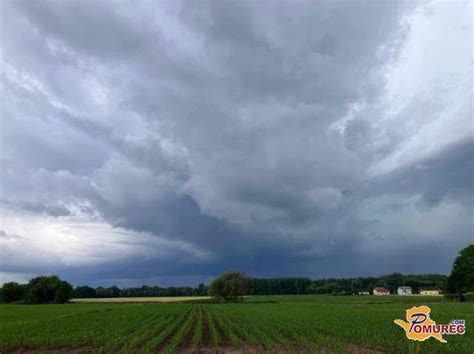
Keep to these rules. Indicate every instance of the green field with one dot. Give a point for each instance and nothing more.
(307, 324)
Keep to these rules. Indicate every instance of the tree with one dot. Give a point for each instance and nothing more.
(112, 291)
(461, 279)
(47, 289)
(229, 286)
(11, 292)
(393, 281)
(84, 292)
(63, 293)
(200, 290)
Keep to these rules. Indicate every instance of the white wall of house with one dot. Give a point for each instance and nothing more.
(404, 290)
(381, 292)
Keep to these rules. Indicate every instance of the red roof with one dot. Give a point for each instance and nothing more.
(381, 289)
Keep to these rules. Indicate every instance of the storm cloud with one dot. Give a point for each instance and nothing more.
(165, 142)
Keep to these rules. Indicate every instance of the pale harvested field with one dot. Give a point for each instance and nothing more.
(141, 299)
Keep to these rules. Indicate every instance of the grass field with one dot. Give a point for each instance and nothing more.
(308, 324)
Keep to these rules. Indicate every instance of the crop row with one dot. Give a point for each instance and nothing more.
(137, 328)
(171, 328)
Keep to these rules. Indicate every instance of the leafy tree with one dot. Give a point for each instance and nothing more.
(270, 286)
(47, 289)
(393, 281)
(112, 291)
(229, 286)
(11, 292)
(84, 292)
(63, 293)
(201, 290)
(461, 279)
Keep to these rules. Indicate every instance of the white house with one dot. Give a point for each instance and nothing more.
(379, 290)
(404, 290)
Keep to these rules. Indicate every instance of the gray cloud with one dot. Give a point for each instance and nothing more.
(279, 138)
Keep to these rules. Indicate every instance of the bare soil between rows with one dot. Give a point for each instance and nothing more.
(259, 349)
(242, 349)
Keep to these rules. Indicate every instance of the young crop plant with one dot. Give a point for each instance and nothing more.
(198, 329)
(183, 335)
(259, 335)
(122, 329)
(243, 329)
(154, 328)
(154, 343)
(228, 331)
(213, 333)
(136, 331)
(290, 324)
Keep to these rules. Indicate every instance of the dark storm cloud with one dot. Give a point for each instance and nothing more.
(447, 175)
(249, 135)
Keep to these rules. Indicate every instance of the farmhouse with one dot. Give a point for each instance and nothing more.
(404, 290)
(379, 290)
(429, 292)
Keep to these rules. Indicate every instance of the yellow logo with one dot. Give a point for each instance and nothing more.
(419, 326)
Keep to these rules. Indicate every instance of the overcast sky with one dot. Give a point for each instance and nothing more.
(163, 142)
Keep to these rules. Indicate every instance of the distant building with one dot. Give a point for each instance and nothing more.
(379, 290)
(404, 290)
(363, 293)
(430, 292)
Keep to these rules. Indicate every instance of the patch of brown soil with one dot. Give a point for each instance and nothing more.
(188, 348)
(260, 349)
(77, 350)
(206, 333)
(300, 349)
(241, 349)
(244, 349)
(358, 349)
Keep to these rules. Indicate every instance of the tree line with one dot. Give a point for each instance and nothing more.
(51, 289)
(278, 286)
(233, 285)
(142, 291)
(54, 290)
(343, 286)
(346, 286)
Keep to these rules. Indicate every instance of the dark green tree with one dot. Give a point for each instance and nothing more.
(201, 290)
(11, 292)
(112, 291)
(84, 292)
(63, 293)
(393, 281)
(45, 289)
(229, 286)
(461, 279)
